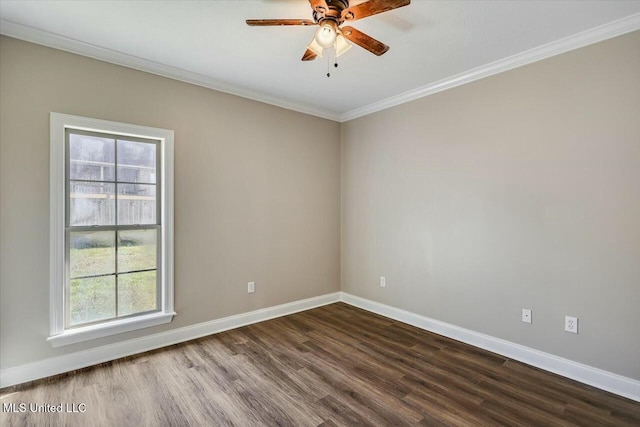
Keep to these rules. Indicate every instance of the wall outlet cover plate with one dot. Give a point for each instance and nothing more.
(571, 324)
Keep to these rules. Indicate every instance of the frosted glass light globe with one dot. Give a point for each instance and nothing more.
(326, 35)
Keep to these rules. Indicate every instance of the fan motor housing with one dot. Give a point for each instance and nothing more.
(334, 11)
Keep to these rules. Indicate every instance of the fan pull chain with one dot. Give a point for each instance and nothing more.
(328, 68)
(335, 62)
(328, 73)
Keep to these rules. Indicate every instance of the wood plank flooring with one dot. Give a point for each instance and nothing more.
(331, 366)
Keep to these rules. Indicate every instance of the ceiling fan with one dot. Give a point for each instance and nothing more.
(329, 15)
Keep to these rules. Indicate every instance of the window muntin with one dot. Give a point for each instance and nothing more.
(113, 227)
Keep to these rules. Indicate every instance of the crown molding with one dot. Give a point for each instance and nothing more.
(33, 35)
(585, 38)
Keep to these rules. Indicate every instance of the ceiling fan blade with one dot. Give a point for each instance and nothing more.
(372, 7)
(270, 22)
(309, 55)
(364, 41)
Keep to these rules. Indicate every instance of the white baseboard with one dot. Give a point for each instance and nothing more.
(623, 386)
(70, 362)
(604, 380)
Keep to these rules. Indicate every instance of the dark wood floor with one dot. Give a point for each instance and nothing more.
(334, 365)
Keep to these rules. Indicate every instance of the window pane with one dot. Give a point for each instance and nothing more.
(92, 299)
(92, 253)
(136, 161)
(137, 250)
(91, 203)
(136, 292)
(136, 204)
(91, 158)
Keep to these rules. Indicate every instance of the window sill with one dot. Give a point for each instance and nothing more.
(73, 336)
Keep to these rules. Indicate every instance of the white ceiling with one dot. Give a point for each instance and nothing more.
(434, 44)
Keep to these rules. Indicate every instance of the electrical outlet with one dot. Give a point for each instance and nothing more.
(526, 315)
(571, 324)
(251, 287)
(383, 281)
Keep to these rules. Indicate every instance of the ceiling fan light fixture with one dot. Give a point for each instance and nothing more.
(315, 47)
(342, 45)
(329, 15)
(326, 34)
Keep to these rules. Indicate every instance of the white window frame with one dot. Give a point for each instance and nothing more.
(59, 336)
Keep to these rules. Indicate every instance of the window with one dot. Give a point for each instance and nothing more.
(111, 228)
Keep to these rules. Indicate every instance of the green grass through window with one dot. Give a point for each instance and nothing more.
(93, 299)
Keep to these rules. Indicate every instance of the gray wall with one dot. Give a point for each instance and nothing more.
(521, 190)
(257, 192)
